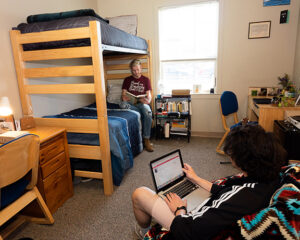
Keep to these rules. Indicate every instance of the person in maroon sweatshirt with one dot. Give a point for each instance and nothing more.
(137, 84)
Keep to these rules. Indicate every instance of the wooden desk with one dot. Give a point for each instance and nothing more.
(265, 114)
(54, 178)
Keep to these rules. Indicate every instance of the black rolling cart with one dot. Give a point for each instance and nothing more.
(173, 116)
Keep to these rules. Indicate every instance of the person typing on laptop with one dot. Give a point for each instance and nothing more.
(255, 152)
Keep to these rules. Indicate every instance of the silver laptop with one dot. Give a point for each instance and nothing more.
(168, 176)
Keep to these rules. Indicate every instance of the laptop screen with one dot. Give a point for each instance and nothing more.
(167, 169)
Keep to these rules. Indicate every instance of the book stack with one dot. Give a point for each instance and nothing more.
(179, 127)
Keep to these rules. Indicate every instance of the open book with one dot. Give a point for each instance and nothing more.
(134, 98)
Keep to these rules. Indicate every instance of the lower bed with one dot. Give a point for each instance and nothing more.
(124, 137)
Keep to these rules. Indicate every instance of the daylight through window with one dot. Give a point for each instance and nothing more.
(188, 43)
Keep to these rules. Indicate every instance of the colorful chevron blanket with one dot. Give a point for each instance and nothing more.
(280, 220)
(282, 217)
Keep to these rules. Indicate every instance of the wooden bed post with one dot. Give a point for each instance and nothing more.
(100, 94)
(20, 66)
(149, 62)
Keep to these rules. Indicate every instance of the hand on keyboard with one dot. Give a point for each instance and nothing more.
(174, 201)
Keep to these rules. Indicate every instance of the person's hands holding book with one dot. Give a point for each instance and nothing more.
(125, 98)
(144, 100)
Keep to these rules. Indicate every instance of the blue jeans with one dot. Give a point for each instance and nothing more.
(146, 115)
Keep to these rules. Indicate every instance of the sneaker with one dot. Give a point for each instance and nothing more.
(83, 179)
(138, 232)
(148, 145)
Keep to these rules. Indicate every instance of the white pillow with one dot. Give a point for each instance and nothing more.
(127, 23)
(114, 93)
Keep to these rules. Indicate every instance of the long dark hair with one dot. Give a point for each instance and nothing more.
(256, 152)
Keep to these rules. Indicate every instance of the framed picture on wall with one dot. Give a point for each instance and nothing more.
(259, 30)
(276, 2)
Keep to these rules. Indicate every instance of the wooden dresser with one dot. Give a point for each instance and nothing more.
(55, 179)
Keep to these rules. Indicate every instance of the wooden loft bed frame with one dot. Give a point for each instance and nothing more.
(98, 70)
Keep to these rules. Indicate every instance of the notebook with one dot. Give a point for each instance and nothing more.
(168, 176)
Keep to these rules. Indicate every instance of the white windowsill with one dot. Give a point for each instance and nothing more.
(205, 96)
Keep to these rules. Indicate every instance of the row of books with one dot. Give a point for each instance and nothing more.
(182, 106)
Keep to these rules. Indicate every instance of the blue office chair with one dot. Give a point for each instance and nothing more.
(229, 107)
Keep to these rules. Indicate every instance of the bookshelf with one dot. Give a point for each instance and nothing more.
(173, 116)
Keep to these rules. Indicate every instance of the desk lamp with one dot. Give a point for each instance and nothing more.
(7, 121)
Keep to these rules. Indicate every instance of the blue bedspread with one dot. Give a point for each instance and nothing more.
(124, 136)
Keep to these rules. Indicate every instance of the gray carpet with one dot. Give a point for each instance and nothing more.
(91, 215)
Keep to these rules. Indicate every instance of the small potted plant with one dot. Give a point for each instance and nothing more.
(284, 81)
(288, 89)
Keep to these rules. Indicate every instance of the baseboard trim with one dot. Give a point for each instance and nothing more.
(207, 134)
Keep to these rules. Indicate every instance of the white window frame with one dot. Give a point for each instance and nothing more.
(178, 3)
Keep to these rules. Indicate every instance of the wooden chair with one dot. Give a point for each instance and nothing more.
(19, 161)
(229, 107)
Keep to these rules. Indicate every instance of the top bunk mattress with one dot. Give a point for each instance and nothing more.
(110, 35)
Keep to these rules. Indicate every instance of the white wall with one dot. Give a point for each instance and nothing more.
(256, 62)
(13, 12)
(242, 62)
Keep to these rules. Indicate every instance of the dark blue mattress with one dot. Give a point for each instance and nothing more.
(110, 35)
(124, 137)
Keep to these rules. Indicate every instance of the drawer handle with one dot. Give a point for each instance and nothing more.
(56, 161)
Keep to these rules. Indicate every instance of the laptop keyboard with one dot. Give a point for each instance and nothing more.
(183, 189)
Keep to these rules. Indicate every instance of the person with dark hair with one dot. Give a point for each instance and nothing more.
(138, 84)
(253, 151)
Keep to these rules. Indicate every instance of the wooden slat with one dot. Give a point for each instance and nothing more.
(18, 205)
(19, 65)
(71, 125)
(84, 151)
(82, 88)
(101, 103)
(88, 174)
(59, 72)
(121, 75)
(126, 57)
(55, 35)
(149, 62)
(63, 53)
(123, 67)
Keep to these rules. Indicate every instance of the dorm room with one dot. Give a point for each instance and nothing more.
(68, 77)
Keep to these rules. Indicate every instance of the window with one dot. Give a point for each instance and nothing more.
(188, 44)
